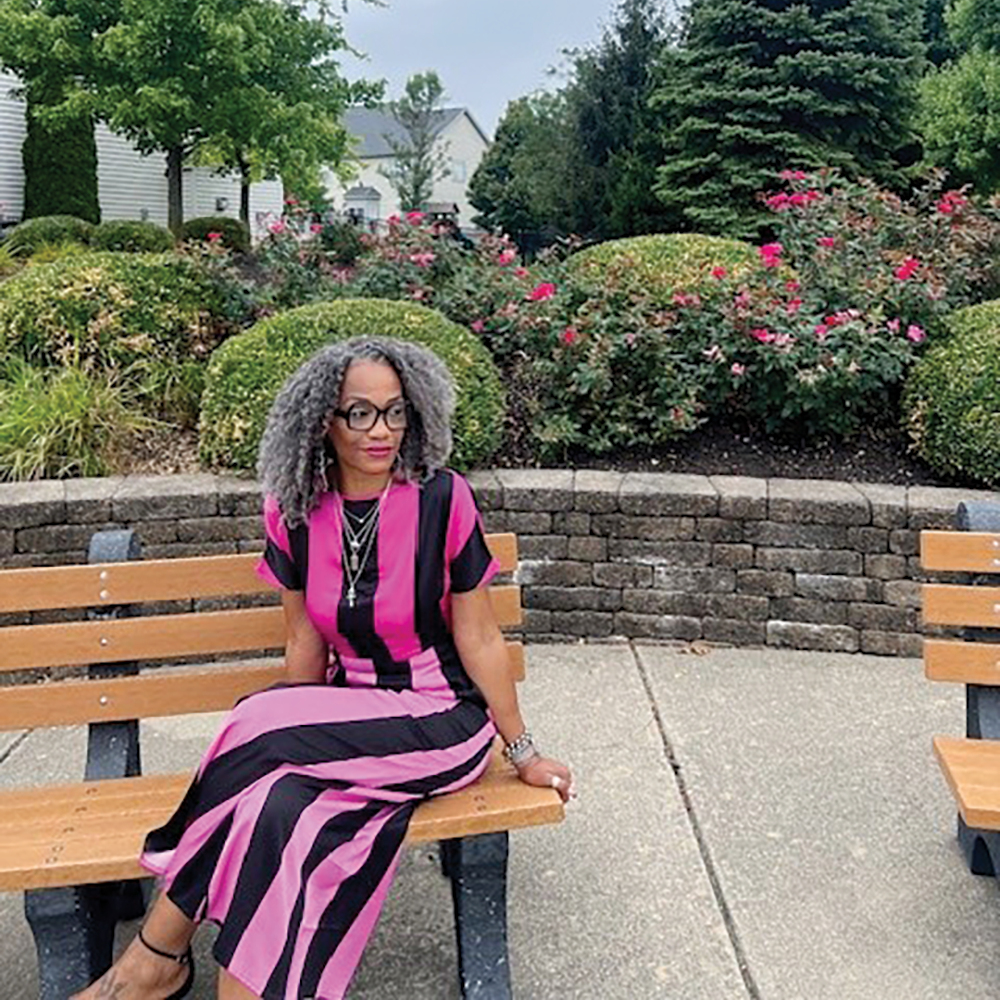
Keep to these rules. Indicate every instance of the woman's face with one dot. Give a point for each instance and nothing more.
(365, 456)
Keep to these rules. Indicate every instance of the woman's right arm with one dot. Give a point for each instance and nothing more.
(306, 652)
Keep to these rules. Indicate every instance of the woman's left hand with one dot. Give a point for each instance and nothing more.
(547, 773)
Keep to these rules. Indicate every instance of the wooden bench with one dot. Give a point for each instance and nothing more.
(73, 847)
(970, 609)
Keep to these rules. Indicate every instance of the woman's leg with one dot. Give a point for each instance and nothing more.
(140, 974)
(233, 989)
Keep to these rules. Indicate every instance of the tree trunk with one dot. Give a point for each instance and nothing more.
(244, 193)
(175, 189)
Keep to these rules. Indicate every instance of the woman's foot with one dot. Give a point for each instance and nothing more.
(139, 974)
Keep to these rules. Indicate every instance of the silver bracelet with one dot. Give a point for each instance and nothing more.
(521, 750)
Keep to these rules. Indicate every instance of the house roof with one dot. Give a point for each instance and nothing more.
(372, 125)
(362, 192)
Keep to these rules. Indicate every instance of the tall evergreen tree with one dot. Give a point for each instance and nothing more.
(614, 143)
(519, 186)
(763, 85)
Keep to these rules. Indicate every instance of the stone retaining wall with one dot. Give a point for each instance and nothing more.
(805, 564)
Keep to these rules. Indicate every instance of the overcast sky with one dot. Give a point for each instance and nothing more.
(486, 52)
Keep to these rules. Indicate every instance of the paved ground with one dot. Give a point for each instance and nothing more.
(752, 825)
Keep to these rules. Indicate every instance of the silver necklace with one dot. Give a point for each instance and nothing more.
(360, 540)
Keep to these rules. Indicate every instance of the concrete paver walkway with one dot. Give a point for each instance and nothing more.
(752, 825)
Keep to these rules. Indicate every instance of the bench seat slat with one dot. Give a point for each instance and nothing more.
(950, 604)
(972, 769)
(78, 834)
(960, 551)
(153, 693)
(107, 584)
(962, 662)
(167, 636)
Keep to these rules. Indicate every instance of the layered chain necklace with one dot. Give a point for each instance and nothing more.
(360, 533)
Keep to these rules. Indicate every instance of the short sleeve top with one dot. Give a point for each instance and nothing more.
(429, 544)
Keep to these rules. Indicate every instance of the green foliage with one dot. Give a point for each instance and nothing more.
(64, 422)
(132, 237)
(60, 167)
(245, 374)
(112, 313)
(418, 161)
(960, 118)
(759, 86)
(951, 403)
(583, 160)
(660, 266)
(49, 253)
(232, 232)
(30, 236)
(342, 241)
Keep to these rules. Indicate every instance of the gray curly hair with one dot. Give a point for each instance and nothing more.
(293, 456)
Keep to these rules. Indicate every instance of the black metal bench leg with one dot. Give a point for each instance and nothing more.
(980, 847)
(477, 867)
(74, 930)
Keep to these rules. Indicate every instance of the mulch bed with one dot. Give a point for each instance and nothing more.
(879, 455)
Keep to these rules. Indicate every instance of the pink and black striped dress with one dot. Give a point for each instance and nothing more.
(290, 834)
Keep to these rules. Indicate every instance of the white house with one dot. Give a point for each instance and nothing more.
(371, 195)
(129, 185)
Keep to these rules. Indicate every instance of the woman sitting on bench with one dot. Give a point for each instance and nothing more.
(397, 685)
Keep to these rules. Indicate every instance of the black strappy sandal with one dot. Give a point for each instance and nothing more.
(186, 959)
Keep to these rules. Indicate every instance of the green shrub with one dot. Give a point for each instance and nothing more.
(49, 253)
(132, 236)
(233, 234)
(951, 401)
(63, 422)
(342, 241)
(60, 165)
(662, 265)
(245, 374)
(29, 236)
(113, 312)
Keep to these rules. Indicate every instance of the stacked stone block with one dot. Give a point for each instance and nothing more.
(803, 564)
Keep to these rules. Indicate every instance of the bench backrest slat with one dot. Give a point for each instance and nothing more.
(169, 636)
(107, 584)
(951, 604)
(960, 551)
(962, 662)
(155, 693)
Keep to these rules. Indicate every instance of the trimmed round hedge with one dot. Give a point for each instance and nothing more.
(951, 400)
(662, 264)
(245, 374)
(112, 311)
(33, 234)
(132, 236)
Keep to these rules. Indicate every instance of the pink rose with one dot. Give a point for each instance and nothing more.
(520, 272)
(762, 335)
(792, 175)
(213, 237)
(424, 258)
(827, 241)
(794, 305)
(893, 325)
(737, 369)
(821, 332)
(770, 254)
(507, 257)
(907, 269)
(719, 273)
(542, 292)
(414, 218)
(316, 227)
(777, 202)
(478, 326)
(393, 220)
(569, 336)
(277, 227)
(915, 333)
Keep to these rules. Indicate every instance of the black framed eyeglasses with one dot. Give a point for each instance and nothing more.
(364, 416)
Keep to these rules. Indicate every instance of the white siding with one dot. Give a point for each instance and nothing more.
(12, 132)
(128, 184)
(460, 141)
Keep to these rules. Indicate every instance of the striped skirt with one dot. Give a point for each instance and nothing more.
(289, 836)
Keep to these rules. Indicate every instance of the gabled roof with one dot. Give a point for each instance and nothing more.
(362, 192)
(372, 125)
